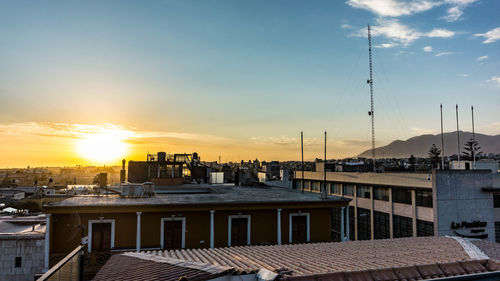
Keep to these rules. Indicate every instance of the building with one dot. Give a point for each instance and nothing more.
(391, 259)
(21, 247)
(393, 205)
(189, 216)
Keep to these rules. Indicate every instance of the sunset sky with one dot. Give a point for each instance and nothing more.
(239, 79)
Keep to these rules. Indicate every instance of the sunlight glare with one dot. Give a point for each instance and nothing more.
(102, 147)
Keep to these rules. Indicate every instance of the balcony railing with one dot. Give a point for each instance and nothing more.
(68, 268)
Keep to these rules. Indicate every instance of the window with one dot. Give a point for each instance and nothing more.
(425, 228)
(299, 227)
(101, 235)
(381, 193)
(19, 261)
(316, 186)
(348, 189)
(364, 224)
(352, 232)
(496, 200)
(381, 225)
(238, 230)
(335, 188)
(307, 185)
(497, 231)
(173, 233)
(335, 217)
(424, 198)
(403, 226)
(363, 191)
(401, 196)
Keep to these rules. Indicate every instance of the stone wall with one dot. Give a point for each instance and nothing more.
(31, 251)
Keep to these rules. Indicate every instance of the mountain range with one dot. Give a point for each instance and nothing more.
(419, 146)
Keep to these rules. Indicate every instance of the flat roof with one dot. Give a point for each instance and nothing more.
(388, 179)
(202, 195)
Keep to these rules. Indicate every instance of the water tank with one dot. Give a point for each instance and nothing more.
(148, 189)
(161, 156)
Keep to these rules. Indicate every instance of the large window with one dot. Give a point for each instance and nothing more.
(496, 200)
(299, 228)
(424, 198)
(335, 188)
(497, 231)
(401, 196)
(348, 189)
(381, 193)
(336, 216)
(364, 224)
(173, 231)
(352, 228)
(363, 191)
(238, 230)
(403, 226)
(425, 228)
(381, 225)
(316, 186)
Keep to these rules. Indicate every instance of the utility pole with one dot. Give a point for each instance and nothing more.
(370, 81)
(442, 138)
(302, 153)
(323, 192)
(473, 140)
(458, 139)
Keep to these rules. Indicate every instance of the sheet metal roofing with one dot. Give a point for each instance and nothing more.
(321, 258)
(215, 195)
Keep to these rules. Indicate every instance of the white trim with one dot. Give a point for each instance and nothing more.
(279, 225)
(112, 221)
(212, 230)
(162, 232)
(229, 224)
(138, 233)
(308, 226)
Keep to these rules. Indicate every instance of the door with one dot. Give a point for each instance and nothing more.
(172, 234)
(299, 229)
(101, 237)
(239, 228)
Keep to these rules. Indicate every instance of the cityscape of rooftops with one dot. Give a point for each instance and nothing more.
(249, 140)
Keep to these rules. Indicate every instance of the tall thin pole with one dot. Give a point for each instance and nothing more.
(458, 138)
(323, 191)
(302, 152)
(370, 81)
(442, 138)
(473, 140)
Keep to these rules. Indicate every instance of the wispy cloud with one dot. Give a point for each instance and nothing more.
(393, 8)
(346, 26)
(386, 45)
(491, 36)
(427, 49)
(463, 75)
(445, 54)
(423, 131)
(494, 80)
(456, 10)
(482, 58)
(440, 32)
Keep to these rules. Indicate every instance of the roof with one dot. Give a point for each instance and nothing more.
(15, 229)
(415, 180)
(321, 258)
(224, 195)
(137, 266)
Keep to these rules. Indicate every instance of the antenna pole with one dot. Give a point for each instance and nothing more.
(442, 138)
(473, 140)
(302, 152)
(458, 138)
(372, 112)
(323, 192)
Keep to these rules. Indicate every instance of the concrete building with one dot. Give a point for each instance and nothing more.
(392, 205)
(21, 247)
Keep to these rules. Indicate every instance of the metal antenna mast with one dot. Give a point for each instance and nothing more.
(371, 112)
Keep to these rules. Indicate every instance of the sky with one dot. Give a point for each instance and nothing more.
(238, 79)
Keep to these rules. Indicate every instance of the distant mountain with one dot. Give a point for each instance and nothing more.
(420, 145)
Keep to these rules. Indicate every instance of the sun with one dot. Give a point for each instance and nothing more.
(102, 147)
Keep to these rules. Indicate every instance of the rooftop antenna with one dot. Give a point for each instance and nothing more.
(371, 112)
(442, 138)
(473, 140)
(302, 153)
(458, 138)
(323, 191)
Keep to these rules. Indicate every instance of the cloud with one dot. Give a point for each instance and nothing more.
(393, 8)
(346, 26)
(495, 80)
(482, 58)
(386, 45)
(427, 49)
(463, 75)
(424, 131)
(491, 36)
(445, 54)
(457, 10)
(440, 32)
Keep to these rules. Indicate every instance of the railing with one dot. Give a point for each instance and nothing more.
(68, 269)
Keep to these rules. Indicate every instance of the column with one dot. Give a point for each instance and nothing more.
(391, 217)
(414, 215)
(212, 233)
(342, 236)
(372, 218)
(138, 235)
(47, 242)
(279, 226)
(348, 236)
(356, 212)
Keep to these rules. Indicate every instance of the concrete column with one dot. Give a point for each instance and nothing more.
(342, 222)
(212, 233)
(391, 217)
(348, 236)
(372, 219)
(414, 213)
(138, 234)
(355, 212)
(279, 226)
(47, 243)
(342, 190)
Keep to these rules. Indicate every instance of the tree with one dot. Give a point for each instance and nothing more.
(434, 155)
(412, 160)
(469, 152)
